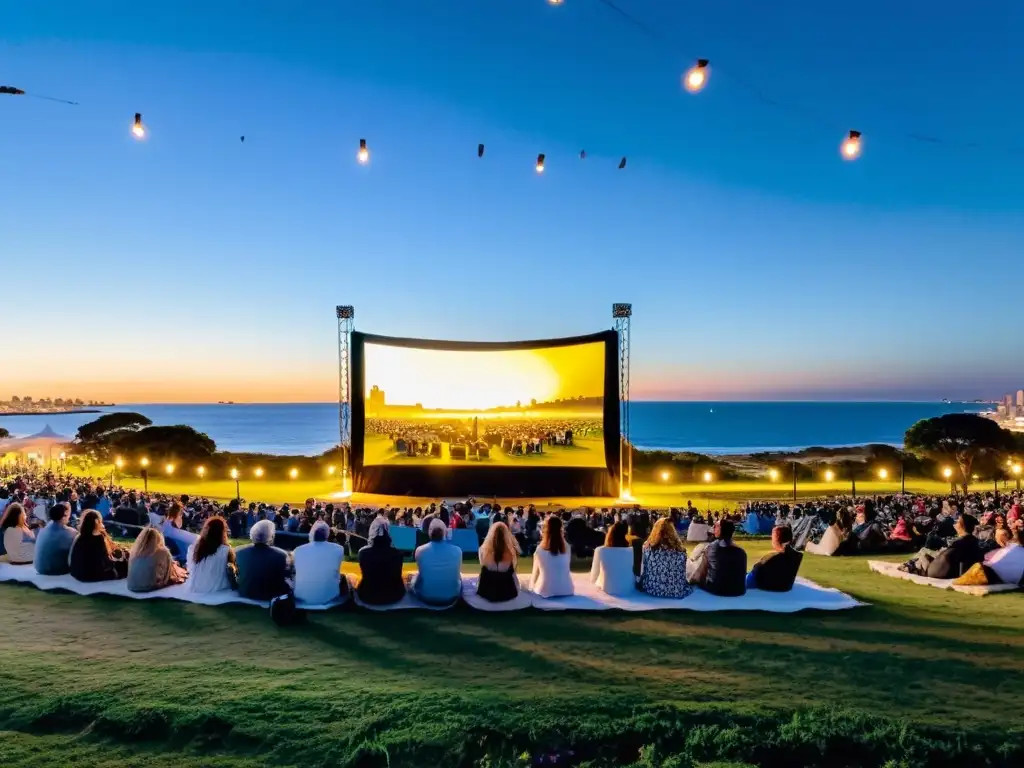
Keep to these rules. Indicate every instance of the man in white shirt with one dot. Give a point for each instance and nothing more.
(318, 578)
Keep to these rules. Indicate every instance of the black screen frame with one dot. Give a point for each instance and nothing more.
(464, 480)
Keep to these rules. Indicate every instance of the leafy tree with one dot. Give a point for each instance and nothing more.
(4, 434)
(958, 437)
(15, 399)
(100, 430)
(180, 443)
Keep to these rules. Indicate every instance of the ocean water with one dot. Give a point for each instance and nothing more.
(706, 427)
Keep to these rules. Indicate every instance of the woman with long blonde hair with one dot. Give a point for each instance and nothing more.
(150, 565)
(663, 563)
(498, 557)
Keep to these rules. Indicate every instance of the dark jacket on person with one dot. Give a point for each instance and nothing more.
(727, 570)
(777, 572)
(262, 570)
(381, 568)
(954, 560)
(90, 560)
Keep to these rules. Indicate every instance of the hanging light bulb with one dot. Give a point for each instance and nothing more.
(583, 154)
(851, 146)
(479, 150)
(622, 163)
(697, 77)
(554, 2)
(364, 153)
(540, 163)
(137, 128)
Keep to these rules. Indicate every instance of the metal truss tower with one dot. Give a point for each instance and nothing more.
(346, 324)
(622, 313)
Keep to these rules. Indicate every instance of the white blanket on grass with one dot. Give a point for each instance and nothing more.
(893, 569)
(26, 574)
(805, 595)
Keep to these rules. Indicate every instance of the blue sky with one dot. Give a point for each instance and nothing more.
(191, 266)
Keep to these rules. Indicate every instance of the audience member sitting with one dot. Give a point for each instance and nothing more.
(150, 565)
(723, 568)
(639, 531)
(438, 580)
(381, 567)
(174, 532)
(94, 556)
(19, 540)
(211, 560)
(498, 555)
(551, 576)
(663, 563)
(835, 535)
(867, 536)
(952, 561)
(1007, 562)
(318, 577)
(53, 543)
(777, 572)
(263, 569)
(612, 570)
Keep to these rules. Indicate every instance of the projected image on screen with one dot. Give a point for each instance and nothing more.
(521, 407)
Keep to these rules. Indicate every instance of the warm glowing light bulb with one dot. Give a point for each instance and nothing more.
(540, 163)
(364, 152)
(144, 462)
(554, 2)
(293, 473)
(947, 473)
(200, 470)
(883, 473)
(62, 455)
(119, 462)
(331, 469)
(1015, 469)
(234, 474)
(851, 146)
(137, 128)
(169, 468)
(707, 477)
(258, 472)
(829, 476)
(697, 76)
(773, 474)
(665, 475)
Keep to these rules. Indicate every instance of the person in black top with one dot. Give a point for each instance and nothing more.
(777, 572)
(381, 567)
(263, 569)
(954, 560)
(723, 571)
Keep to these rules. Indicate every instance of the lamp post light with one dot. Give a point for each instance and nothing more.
(119, 464)
(234, 476)
(145, 474)
(201, 471)
(794, 482)
(258, 472)
(948, 474)
(293, 473)
(1016, 469)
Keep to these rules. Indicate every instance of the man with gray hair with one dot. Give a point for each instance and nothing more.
(263, 569)
(318, 577)
(439, 580)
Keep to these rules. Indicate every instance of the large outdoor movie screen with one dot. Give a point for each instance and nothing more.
(503, 407)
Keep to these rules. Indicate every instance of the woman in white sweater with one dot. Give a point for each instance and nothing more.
(551, 577)
(19, 541)
(211, 560)
(612, 571)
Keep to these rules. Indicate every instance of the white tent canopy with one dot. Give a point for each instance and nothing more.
(41, 444)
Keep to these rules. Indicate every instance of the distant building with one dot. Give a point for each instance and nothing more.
(1020, 398)
(375, 400)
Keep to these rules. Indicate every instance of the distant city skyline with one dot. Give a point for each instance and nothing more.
(194, 267)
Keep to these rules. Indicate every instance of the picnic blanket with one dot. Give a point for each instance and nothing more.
(26, 574)
(805, 595)
(893, 570)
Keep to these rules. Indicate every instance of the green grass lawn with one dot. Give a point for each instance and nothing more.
(655, 494)
(921, 676)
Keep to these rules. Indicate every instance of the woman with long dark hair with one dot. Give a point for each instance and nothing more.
(94, 555)
(19, 540)
(211, 560)
(551, 576)
(612, 571)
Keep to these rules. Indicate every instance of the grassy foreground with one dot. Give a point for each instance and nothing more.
(921, 677)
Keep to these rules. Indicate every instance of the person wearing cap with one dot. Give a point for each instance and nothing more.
(439, 578)
(318, 578)
(380, 566)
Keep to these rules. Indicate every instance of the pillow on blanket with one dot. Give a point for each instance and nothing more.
(978, 575)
